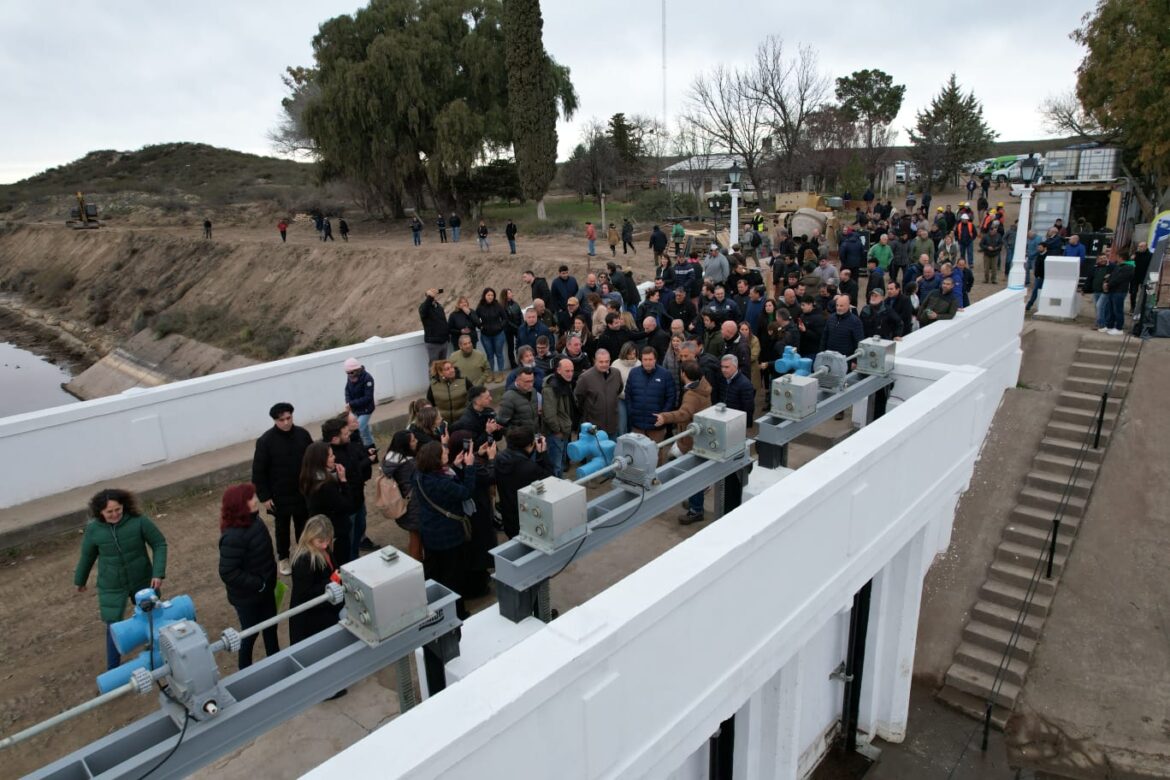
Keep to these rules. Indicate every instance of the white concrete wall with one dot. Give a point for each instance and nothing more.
(51, 450)
(743, 617)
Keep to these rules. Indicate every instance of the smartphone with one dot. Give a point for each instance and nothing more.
(467, 443)
(440, 291)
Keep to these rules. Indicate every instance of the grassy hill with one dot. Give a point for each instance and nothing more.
(171, 177)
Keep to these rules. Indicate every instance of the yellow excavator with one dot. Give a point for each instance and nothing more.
(83, 216)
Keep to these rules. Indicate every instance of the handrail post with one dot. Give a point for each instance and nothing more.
(986, 726)
(1052, 546)
(1100, 419)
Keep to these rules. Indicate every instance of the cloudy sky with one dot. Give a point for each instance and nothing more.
(124, 74)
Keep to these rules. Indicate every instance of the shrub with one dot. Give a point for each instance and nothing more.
(655, 205)
(53, 284)
(169, 322)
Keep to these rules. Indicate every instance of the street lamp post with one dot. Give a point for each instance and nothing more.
(1017, 277)
(733, 177)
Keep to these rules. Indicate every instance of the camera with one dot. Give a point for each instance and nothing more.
(440, 291)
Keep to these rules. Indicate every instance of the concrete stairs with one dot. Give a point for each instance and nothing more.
(1005, 606)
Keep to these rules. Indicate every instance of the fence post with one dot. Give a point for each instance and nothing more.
(1052, 546)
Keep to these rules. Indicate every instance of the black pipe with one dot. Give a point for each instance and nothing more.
(720, 749)
(1100, 419)
(855, 665)
(986, 727)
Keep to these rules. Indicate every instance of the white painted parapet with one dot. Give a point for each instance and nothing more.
(53, 450)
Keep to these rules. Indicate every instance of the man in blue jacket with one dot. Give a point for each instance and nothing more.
(851, 252)
(564, 287)
(650, 390)
(531, 330)
(738, 392)
(843, 330)
(359, 397)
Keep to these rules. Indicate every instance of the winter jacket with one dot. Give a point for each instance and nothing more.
(715, 268)
(927, 286)
(920, 247)
(434, 321)
(689, 276)
(510, 231)
(659, 340)
(1120, 277)
(562, 291)
(696, 396)
(883, 253)
(517, 408)
(247, 562)
(276, 464)
(739, 393)
(449, 397)
(851, 252)
(658, 241)
(741, 349)
(124, 567)
(539, 289)
(492, 318)
(597, 399)
(964, 232)
(438, 489)
(515, 469)
(901, 250)
(991, 244)
(944, 306)
(684, 311)
(359, 393)
(514, 317)
(474, 367)
(842, 333)
(308, 582)
(647, 394)
(557, 411)
(334, 500)
(1076, 250)
(527, 336)
(463, 324)
(881, 320)
(902, 307)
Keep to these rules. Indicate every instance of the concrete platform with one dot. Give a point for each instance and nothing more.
(1095, 703)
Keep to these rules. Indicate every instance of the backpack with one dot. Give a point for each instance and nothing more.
(389, 501)
(756, 240)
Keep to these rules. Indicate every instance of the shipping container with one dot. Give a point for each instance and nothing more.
(1099, 165)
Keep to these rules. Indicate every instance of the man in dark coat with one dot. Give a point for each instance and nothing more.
(851, 252)
(276, 471)
(738, 391)
(564, 287)
(656, 337)
(479, 418)
(658, 241)
(900, 305)
(843, 329)
(1141, 269)
(436, 331)
(811, 324)
(539, 288)
(522, 463)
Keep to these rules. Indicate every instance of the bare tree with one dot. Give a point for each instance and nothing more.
(696, 148)
(787, 90)
(722, 107)
(290, 137)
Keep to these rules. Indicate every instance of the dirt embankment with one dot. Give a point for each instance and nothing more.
(255, 297)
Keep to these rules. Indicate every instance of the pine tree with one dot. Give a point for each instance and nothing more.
(872, 99)
(532, 99)
(950, 133)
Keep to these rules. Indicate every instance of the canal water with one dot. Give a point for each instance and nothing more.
(28, 382)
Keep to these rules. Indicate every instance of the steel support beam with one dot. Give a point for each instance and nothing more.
(267, 693)
(778, 432)
(521, 570)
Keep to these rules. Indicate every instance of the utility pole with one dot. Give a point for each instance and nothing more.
(669, 192)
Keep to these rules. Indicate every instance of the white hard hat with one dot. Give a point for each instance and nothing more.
(714, 246)
(757, 211)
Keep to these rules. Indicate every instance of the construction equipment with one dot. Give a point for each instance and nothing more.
(84, 216)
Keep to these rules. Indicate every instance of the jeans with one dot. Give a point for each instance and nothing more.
(493, 347)
(483, 244)
(1036, 288)
(592, 247)
(436, 351)
(623, 418)
(364, 429)
(695, 503)
(1116, 307)
(416, 237)
(455, 233)
(113, 657)
(556, 454)
(968, 251)
(1100, 306)
(250, 615)
(511, 246)
(358, 524)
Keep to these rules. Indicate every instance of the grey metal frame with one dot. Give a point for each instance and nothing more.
(775, 434)
(268, 693)
(522, 573)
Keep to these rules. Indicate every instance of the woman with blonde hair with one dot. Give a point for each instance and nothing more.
(313, 566)
(449, 392)
(428, 426)
(463, 322)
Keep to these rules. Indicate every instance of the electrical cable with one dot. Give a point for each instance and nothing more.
(598, 528)
(171, 752)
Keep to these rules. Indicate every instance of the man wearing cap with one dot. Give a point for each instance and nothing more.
(715, 268)
(359, 397)
(276, 468)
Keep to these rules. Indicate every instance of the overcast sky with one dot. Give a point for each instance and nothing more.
(125, 74)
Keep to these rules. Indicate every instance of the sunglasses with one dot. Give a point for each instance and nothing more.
(353, 373)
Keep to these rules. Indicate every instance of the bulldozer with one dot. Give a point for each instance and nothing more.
(83, 216)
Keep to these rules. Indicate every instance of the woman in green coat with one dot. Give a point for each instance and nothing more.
(116, 539)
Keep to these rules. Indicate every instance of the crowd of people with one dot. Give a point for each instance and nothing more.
(604, 354)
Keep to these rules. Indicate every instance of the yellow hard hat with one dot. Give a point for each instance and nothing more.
(940, 208)
(1000, 203)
